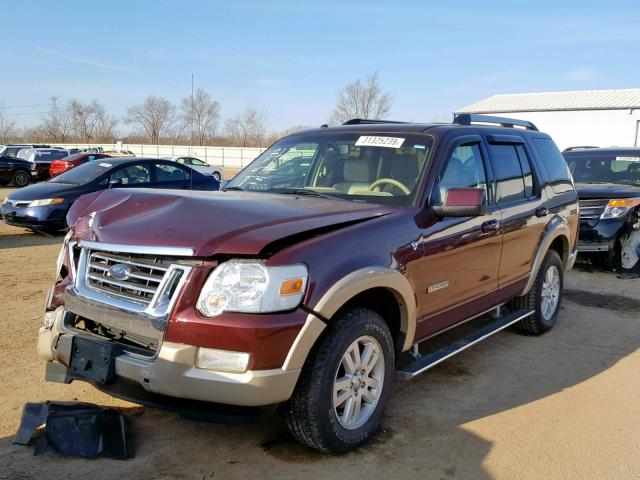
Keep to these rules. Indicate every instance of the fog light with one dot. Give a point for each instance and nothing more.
(213, 359)
(49, 318)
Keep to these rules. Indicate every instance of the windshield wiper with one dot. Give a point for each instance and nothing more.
(236, 189)
(301, 191)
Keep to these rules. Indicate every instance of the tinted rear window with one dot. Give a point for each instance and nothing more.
(552, 160)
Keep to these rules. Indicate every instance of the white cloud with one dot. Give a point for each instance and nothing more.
(583, 75)
(85, 61)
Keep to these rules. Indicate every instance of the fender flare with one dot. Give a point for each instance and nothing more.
(556, 228)
(339, 294)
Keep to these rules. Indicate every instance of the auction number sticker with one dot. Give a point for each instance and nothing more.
(375, 141)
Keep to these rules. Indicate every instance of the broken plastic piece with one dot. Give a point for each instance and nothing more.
(73, 428)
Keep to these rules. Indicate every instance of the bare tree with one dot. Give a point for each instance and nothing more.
(155, 116)
(56, 123)
(90, 121)
(8, 129)
(362, 100)
(200, 115)
(247, 129)
(272, 137)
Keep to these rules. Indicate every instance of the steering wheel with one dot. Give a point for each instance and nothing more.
(390, 181)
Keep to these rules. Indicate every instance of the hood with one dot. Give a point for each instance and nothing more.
(606, 190)
(239, 223)
(48, 190)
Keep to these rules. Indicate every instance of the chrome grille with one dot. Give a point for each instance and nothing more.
(590, 210)
(142, 283)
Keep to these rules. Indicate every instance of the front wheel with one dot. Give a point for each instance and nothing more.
(217, 176)
(544, 297)
(345, 384)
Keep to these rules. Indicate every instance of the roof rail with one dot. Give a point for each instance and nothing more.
(360, 121)
(469, 118)
(579, 147)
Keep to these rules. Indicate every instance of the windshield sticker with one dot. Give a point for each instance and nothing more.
(421, 147)
(628, 159)
(388, 142)
(106, 165)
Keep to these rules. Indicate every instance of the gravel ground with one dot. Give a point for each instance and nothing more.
(565, 405)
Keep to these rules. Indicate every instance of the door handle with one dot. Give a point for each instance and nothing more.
(490, 226)
(542, 212)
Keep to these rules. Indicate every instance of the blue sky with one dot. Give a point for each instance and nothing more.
(292, 57)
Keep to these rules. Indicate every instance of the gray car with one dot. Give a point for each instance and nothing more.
(199, 165)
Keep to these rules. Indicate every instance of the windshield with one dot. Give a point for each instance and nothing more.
(373, 167)
(605, 169)
(83, 173)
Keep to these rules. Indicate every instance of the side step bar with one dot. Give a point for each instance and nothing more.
(425, 362)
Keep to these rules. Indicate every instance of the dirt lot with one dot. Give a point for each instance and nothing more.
(565, 405)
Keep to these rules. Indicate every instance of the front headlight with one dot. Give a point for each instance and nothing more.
(251, 286)
(619, 207)
(45, 201)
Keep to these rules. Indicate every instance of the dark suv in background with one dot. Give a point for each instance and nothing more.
(315, 286)
(608, 184)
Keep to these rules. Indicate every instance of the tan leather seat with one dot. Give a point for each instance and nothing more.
(357, 176)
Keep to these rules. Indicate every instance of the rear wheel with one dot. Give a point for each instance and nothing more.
(344, 386)
(217, 176)
(544, 298)
(21, 178)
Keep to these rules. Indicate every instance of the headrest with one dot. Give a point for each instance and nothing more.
(357, 170)
(403, 166)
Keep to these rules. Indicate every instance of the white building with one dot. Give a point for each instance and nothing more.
(602, 118)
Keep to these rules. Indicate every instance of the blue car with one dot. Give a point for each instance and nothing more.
(44, 206)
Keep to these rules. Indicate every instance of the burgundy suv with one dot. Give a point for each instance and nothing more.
(313, 277)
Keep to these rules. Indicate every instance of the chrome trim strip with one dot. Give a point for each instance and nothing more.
(116, 259)
(130, 286)
(139, 249)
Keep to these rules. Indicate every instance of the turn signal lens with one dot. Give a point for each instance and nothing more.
(292, 286)
(624, 202)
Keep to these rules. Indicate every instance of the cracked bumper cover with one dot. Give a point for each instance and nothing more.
(172, 372)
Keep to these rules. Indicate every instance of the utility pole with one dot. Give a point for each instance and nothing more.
(193, 114)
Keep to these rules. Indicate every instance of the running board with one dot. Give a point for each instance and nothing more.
(425, 362)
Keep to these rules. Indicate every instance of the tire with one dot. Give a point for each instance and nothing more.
(20, 178)
(543, 318)
(627, 266)
(217, 176)
(313, 415)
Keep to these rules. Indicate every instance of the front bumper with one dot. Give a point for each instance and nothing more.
(172, 372)
(602, 236)
(48, 216)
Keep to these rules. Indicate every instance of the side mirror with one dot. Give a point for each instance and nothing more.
(115, 182)
(462, 202)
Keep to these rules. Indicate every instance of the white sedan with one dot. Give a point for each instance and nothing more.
(200, 166)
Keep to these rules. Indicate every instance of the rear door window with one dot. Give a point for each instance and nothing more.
(552, 160)
(508, 170)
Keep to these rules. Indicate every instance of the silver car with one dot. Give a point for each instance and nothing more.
(199, 165)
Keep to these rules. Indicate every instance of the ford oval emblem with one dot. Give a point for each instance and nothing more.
(119, 271)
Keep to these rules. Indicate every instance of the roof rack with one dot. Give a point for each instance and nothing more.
(579, 147)
(470, 118)
(360, 121)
